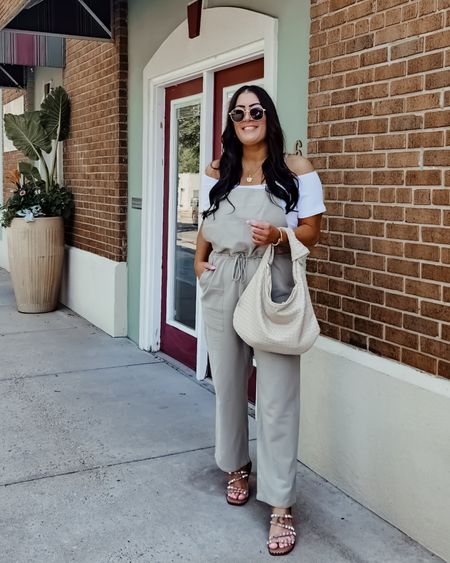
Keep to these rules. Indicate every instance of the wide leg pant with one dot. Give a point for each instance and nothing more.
(278, 381)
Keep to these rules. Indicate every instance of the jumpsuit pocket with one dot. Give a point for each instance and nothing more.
(212, 301)
(204, 280)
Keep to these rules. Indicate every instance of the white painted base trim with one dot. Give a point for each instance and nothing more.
(380, 431)
(92, 286)
(96, 288)
(4, 261)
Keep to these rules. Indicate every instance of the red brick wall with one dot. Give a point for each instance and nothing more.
(378, 135)
(11, 158)
(95, 155)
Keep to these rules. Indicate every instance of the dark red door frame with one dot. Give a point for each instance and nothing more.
(174, 342)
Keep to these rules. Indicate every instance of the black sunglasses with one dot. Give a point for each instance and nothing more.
(238, 114)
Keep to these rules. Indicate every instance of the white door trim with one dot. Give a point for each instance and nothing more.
(177, 60)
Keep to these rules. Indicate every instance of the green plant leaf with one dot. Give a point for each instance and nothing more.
(27, 134)
(55, 114)
(30, 171)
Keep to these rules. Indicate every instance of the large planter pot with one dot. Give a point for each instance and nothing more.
(36, 255)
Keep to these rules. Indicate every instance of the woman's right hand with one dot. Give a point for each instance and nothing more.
(201, 267)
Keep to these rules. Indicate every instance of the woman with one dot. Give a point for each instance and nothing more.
(253, 190)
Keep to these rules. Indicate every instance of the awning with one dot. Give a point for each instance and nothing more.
(33, 32)
(31, 50)
(83, 19)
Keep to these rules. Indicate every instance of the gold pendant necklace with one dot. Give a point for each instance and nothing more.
(250, 176)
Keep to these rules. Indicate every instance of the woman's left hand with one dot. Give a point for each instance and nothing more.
(263, 233)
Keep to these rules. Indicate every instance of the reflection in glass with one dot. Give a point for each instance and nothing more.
(188, 186)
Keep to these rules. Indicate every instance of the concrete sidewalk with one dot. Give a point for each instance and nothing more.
(106, 455)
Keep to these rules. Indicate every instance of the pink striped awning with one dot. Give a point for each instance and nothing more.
(31, 50)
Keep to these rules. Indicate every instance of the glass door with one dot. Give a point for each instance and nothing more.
(181, 197)
(183, 213)
(183, 147)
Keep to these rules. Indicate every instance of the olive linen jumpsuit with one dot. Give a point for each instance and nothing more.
(236, 259)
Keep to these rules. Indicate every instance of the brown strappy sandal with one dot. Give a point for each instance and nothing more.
(243, 473)
(287, 537)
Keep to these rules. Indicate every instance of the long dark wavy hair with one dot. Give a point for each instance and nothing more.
(280, 181)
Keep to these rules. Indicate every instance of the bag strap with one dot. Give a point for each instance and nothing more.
(298, 250)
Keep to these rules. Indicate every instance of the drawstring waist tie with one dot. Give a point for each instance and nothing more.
(240, 263)
(240, 267)
(241, 259)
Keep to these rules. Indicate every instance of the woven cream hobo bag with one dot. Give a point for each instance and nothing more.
(284, 328)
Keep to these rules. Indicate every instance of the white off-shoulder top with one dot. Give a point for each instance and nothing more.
(310, 201)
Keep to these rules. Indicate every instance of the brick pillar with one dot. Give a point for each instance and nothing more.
(378, 135)
(95, 155)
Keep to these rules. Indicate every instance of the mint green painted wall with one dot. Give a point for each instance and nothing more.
(150, 22)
